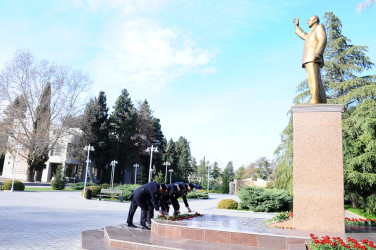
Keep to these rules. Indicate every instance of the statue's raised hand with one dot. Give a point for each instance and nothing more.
(296, 21)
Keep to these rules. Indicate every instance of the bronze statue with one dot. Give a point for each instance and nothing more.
(313, 59)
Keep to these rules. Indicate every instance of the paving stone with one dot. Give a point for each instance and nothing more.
(55, 220)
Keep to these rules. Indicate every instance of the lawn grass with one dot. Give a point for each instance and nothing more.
(360, 212)
(30, 189)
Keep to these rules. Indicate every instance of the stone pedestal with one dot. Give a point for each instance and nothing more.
(318, 168)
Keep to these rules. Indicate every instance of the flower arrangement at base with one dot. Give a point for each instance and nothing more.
(282, 216)
(180, 216)
(327, 242)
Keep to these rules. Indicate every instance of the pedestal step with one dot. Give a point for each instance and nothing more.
(122, 237)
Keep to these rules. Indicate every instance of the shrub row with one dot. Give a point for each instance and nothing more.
(80, 185)
(264, 199)
(197, 195)
(127, 189)
(17, 185)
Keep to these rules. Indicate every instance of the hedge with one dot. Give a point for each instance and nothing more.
(18, 186)
(197, 195)
(264, 199)
(127, 189)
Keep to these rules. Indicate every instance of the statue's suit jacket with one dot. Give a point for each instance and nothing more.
(315, 42)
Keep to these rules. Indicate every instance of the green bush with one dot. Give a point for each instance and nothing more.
(95, 190)
(80, 185)
(370, 206)
(227, 204)
(58, 182)
(225, 186)
(105, 185)
(159, 178)
(264, 199)
(18, 186)
(127, 189)
(197, 195)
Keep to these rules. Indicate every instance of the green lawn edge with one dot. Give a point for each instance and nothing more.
(30, 189)
(360, 212)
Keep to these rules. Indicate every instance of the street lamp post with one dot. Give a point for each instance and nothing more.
(208, 178)
(88, 149)
(18, 147)
(113, 164)
(135, 172)
(171, 170)
(166, 163)
(151, 150)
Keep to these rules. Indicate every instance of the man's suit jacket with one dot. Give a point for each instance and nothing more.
(315, 42)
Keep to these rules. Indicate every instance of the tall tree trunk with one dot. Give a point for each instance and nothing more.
(30, 173)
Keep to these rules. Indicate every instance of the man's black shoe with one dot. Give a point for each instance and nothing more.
(145, 228)
(132, 225)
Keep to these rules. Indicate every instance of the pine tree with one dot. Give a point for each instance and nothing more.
(123, 123)
(171, 156)
(357, 94)
(202, 171)
(58, 182)
(343, 62)
(240, 173)
(95, 131)
(183, 151)
(159, 178)
(227, 177)
(216, 172)
(100, 128)
(263, 169)
(41, 127)
(359, 149)
(284, 160)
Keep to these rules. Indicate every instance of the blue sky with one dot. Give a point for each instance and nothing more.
(220, 73)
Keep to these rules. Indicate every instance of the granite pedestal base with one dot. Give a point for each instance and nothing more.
(318, 168)
(207, 232)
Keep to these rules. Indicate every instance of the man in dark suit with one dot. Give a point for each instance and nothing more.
(145, 197)
(313, 56)
(176, 191)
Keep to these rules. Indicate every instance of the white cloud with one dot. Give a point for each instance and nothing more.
(125, 6)
(142, 53)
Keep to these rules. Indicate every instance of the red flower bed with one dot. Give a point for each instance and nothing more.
(327, 242)
(180, 216)
(360, 222)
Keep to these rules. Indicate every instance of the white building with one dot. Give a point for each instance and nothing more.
(60, 154)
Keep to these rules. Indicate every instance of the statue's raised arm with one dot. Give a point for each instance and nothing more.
(313, 56)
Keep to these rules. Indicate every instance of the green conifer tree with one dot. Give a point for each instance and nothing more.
(123, 122)
(58, 182)
(41, 127)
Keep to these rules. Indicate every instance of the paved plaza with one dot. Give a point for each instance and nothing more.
(55, 220)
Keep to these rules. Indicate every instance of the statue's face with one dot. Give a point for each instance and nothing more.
(311, 21)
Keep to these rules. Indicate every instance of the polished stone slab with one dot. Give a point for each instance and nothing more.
(206, 232)
(236, 231)
(122, 237)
